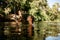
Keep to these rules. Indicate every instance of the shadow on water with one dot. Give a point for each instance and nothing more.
(2, 37)
(40, 32)
(17, 32)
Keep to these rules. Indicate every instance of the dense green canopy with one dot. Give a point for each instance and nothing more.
(39, 9)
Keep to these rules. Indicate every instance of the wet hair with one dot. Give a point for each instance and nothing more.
(32, 18)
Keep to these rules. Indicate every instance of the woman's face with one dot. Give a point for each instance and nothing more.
(29, 18)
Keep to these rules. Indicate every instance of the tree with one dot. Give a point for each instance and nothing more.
(38, 10)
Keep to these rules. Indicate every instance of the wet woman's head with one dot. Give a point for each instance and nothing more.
(30, 18)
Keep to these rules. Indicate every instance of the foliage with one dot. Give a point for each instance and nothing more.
(37, 8)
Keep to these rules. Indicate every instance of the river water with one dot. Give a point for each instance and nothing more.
(41, 31)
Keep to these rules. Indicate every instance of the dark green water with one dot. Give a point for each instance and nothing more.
(41, 31)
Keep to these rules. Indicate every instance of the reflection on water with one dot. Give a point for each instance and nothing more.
(41, 31)
(50, 38)
(53, 37)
